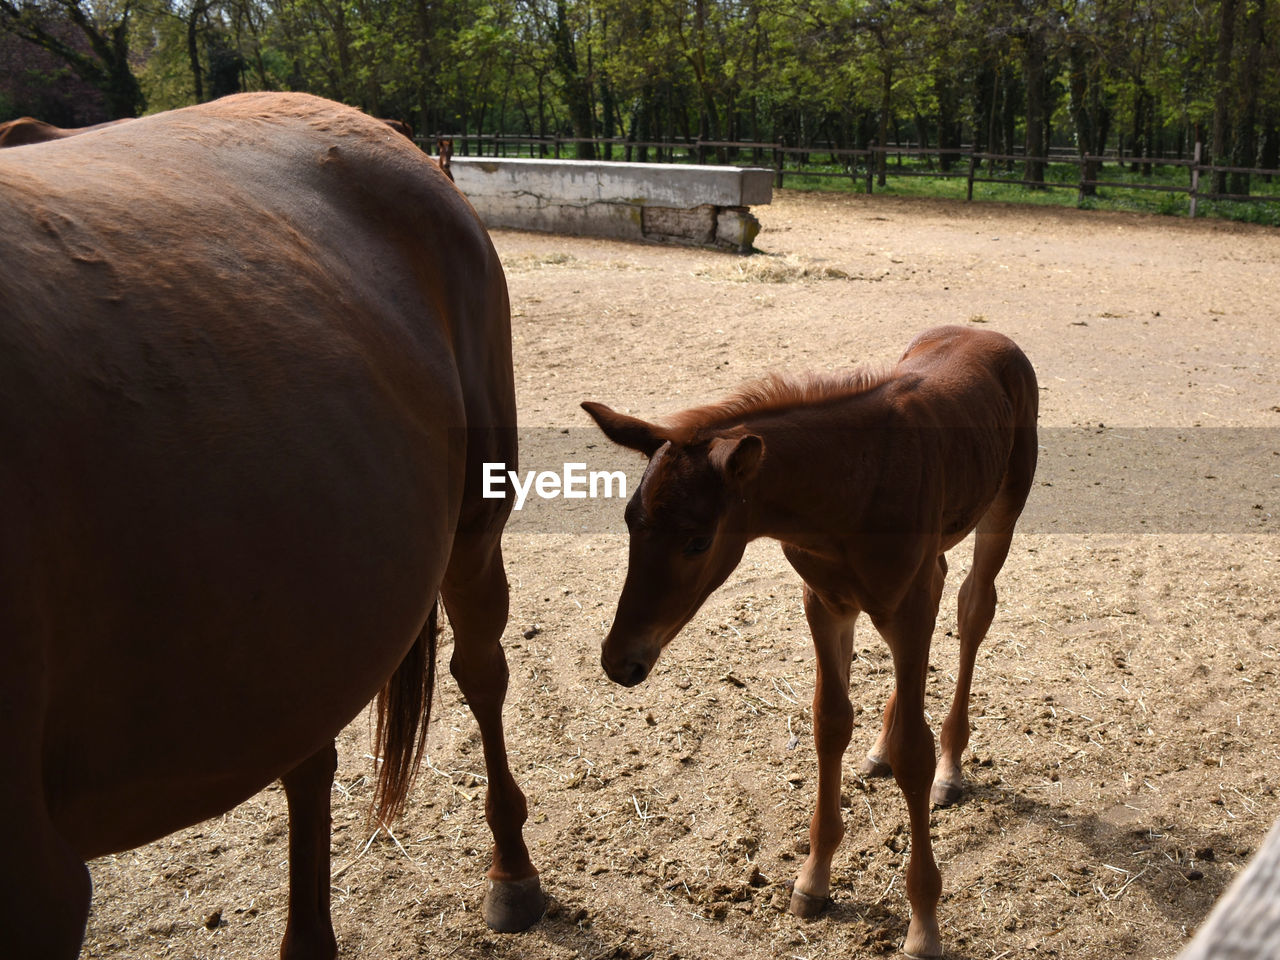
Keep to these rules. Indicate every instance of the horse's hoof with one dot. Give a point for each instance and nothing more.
(875, 767)
(514, 905)
(807, 907)
(922, 956)
(923, 941)
(945, 794)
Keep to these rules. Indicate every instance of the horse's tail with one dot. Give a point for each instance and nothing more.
(404, 707)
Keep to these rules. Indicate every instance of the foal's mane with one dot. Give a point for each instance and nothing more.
(777, 393)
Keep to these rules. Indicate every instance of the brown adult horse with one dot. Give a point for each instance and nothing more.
(26, 130)
(252, 355)
(867, 480)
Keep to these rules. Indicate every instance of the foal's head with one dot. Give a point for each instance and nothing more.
(688, 530)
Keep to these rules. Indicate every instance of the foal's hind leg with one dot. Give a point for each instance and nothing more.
(308, 935)
(476, 598)
(977, 607)
(977, 603)
(877, 763)
(832, 630)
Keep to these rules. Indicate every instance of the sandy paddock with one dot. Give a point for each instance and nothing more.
(1124, 759)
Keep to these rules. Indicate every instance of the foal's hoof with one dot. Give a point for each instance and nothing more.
(923, 939)
(514, 905)
(806, 907)
(945, 794)
(873, 766)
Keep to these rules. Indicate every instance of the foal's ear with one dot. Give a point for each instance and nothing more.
(626, 431)
(736, 458)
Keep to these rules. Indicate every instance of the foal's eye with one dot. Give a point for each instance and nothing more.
(697, 545)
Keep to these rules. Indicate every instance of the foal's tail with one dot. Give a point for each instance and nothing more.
(404, 707)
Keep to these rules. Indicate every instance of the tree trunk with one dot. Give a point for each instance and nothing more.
(1137, 132)
(124, 94)
(882, 136)
(1035, 80)
(193, 47)
(1009, 119)
(1154, 147)
(949, 124)
(577, 88)
(922, 134)
(1083, 116)
(1245, 153)
(1222, 91)
(1270, 146)
(642, 123)
(606, 110)
(993, 126)
(426, 124)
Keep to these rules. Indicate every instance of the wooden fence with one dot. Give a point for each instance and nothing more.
(868, 166)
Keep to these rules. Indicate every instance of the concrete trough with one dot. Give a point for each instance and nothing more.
(665, 202)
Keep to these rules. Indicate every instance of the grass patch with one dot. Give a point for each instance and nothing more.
(912, 179)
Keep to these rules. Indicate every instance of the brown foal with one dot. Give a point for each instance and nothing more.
(867, 480)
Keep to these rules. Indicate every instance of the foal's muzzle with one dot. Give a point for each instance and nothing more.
(629, 676)
(627, 670)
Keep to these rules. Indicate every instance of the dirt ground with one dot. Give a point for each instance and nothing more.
(1124, 760)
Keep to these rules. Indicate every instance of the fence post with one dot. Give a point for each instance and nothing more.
(871, 164)
(1195, 178)
(973, 167)
(777, 166)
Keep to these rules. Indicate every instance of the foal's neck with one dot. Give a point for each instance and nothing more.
(812, 481)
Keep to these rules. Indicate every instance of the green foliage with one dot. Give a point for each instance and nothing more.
(1148, 76)
(165, 76)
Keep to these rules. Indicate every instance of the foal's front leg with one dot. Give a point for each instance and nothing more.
(908, 632)
(832, 629)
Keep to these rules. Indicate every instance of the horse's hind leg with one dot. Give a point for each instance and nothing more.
(308, 934)
(44, 890)
(476, 598)
(877, 763)
(976, 608)
(44, 885)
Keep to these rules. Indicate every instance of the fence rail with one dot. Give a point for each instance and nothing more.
(870, 165)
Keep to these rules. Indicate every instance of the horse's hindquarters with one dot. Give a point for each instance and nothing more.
(236, 375)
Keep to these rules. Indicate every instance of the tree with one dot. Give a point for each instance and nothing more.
(567, 31)
(35, 83)
(104, 66)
